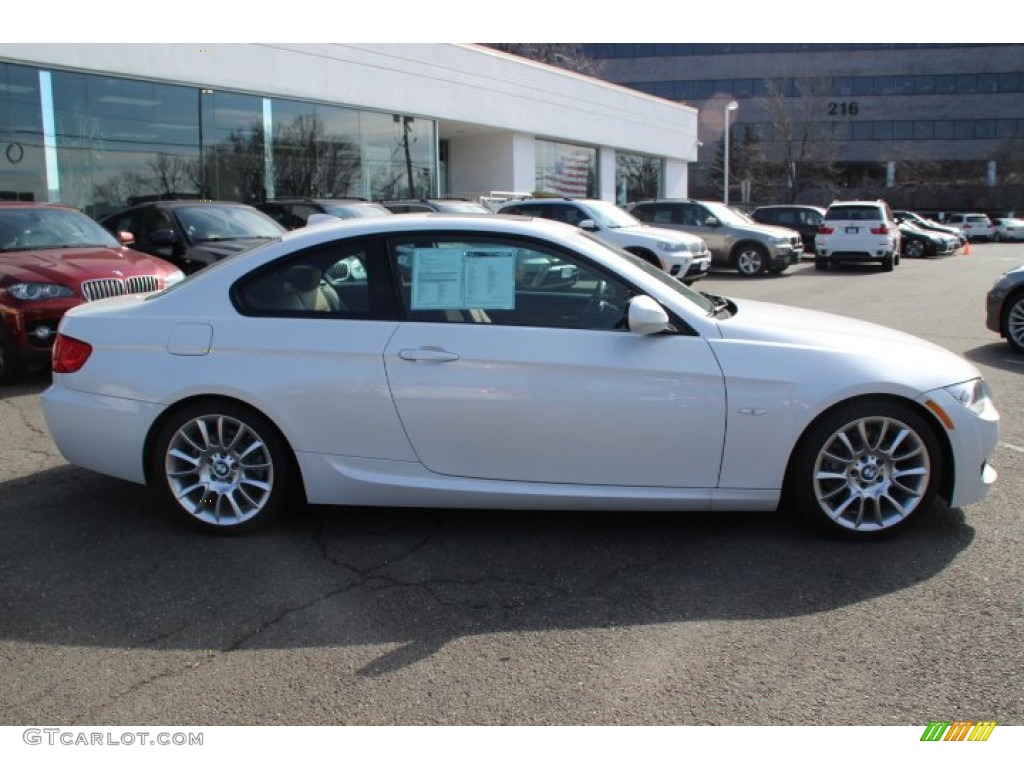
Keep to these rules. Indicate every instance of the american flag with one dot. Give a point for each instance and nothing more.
(569, 176)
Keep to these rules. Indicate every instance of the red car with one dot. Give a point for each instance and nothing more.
(53, 257)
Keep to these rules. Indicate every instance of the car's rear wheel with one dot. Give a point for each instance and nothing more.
(865, 469)
(223, 466)
(1013, 322)
(887, 262)
(820, 263)
(751, 260)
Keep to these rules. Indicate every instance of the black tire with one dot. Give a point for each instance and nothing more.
(888, 263)
(750, 259)
(865, 469)
(996, 237)
(820, 263)
(222, 466)
(12, 369)
(1013, 322)
(914, 249)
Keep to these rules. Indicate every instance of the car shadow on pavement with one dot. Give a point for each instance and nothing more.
(997, 355)
(88, 561)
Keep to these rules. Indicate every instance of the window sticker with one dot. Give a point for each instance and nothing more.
(456, 278)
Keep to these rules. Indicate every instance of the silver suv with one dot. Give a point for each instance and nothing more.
(681, 255)
(858, 230)
(736, 242)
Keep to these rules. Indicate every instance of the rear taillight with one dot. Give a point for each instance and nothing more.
(882, 230)
(823, 230)
(69, 355)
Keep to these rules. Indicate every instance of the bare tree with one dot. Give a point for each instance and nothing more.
(309, 162)
(172, 174)
(565, 55)
(802, 146)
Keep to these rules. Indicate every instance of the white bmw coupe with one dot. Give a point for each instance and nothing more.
(411, 361)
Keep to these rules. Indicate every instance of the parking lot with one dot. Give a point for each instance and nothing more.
(112, 612)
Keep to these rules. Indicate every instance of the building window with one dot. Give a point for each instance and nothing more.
(566, 169)
(637, 177)
(22, 165)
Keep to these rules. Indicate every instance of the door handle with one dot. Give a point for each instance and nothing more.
(428, 355)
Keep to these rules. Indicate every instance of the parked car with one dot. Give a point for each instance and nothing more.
(681, 255)
(805, 219)
(735, 241)
(434, 206)
(52, 258)
(1008, 229)
(930, 225)
(192, 234)
(974, 226)
(294, 212)
(1005, 308)
(459, 387)
(916, 243)
(858, 231)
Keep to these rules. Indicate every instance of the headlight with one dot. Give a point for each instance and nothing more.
(780, 241)
(174, 278)
(973, 395)
(673, 247)
(39, 291)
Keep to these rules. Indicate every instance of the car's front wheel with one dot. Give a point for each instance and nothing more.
(865, 469)
(223, 466)
(1013, 322)
(751, 260)
(914, 249)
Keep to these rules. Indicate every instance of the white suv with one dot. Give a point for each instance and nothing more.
(681, 255)
(973, 226)
(858, 230)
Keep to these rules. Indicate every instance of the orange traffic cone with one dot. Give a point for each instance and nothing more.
(967, 248)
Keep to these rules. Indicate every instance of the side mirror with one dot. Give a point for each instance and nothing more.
(126, 238)
(589, 224)
(647, 317)
(163, 237)
(712, 221)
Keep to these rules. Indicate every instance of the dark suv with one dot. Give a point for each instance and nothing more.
(294, 212)
(805, 219)
(192, 234)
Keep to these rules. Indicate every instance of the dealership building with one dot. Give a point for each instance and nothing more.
(98, 126)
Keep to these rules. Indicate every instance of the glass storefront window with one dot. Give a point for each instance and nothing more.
(566, 169)
(22, 165)
(637, 177)
(120, 140)
(316, 151)
(399, 153)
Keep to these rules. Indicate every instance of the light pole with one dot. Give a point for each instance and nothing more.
(732, 106)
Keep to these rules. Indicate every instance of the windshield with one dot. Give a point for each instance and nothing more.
(609, 215)
(23, 229)
(449, 207)
(205, 223)
(700, 299)
(727, 215)
(361, 211)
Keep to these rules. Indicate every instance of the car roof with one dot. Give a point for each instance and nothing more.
(34, 204)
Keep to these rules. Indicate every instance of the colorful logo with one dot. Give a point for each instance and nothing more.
(958, 730)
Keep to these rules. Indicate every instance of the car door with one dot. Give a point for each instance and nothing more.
(495, 379)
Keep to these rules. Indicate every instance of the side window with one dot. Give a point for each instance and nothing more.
(693, 215)
(340, 280)
(504, 281)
